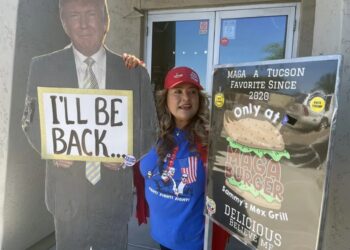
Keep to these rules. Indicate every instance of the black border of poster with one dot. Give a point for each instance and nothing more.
(270, 148)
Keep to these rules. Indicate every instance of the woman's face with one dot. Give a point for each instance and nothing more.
(183, 103)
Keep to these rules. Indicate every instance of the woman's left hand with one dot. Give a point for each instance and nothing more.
(132, 61)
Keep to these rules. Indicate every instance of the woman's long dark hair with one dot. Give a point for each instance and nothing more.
(196, 130)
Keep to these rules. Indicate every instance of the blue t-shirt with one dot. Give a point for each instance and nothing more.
(176, 197)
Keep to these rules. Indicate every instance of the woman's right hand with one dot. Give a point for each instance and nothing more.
(132, 61)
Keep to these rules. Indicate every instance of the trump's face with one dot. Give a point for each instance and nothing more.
(85, 23)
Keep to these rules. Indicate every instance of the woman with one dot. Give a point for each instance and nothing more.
(174, 170)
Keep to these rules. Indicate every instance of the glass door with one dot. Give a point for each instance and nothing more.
(254, 35)
(180, 40)
(202, 38)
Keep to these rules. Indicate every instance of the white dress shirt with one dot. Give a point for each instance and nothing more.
(99, 67)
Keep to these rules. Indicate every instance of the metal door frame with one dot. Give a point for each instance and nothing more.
(214, 15)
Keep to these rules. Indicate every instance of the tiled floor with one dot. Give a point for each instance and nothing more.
(139, 237)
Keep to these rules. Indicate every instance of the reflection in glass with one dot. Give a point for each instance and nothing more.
(252, 39)
(179, 43)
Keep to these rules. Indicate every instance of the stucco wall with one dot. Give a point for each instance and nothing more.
(306, 27)
(328, 27)
(125, 29)
(8, 14)
(332, 36)
(170, 4)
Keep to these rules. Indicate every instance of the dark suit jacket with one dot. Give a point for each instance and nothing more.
(67, 190)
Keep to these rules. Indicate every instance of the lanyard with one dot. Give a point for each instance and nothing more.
(172, 157)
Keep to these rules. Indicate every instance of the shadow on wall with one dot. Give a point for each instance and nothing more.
(26, 219)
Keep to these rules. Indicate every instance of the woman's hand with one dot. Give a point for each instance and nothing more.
(132, 61)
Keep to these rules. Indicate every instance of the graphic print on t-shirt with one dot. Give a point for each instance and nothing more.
(176, 180)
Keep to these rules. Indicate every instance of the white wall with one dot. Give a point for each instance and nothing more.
(8, 15)
(124, 34)
(328, 27)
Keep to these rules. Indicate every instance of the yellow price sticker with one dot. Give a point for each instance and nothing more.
(317, 104)
(219, 100)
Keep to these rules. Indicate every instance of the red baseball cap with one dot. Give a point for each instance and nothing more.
(179, 75)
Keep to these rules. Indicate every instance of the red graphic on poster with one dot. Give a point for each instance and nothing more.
(252, 167)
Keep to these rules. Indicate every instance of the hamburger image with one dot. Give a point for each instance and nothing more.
(252, 167)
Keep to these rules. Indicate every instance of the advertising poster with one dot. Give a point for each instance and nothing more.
(269, 149)
(86, 124)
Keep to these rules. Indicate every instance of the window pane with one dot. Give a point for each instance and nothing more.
(179, 43)
(252, 39)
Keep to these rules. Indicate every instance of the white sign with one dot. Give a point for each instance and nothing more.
(86, 124)
(229, 29)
